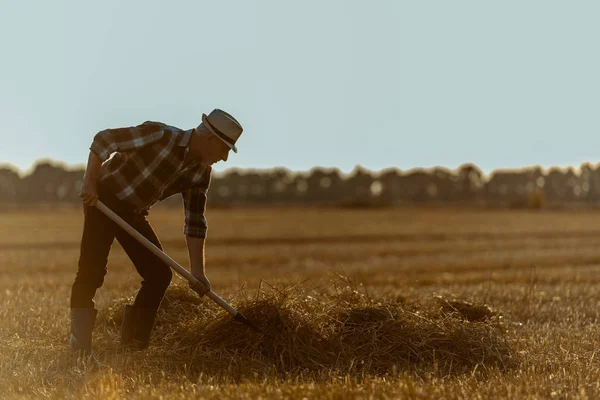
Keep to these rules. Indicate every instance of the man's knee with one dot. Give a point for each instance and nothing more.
(91, 275)
(168, 276)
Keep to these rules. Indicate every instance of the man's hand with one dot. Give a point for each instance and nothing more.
(202, 280)
(89, 194)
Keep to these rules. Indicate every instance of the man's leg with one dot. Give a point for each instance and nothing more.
(98, 235)
(156, 273)
(138, 319)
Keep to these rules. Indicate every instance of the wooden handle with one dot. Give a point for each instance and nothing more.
(164, 257)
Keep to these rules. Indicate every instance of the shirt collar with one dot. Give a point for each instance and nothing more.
(185, 138)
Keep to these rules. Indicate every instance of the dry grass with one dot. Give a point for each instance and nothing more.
(355, 304)
(343, 333)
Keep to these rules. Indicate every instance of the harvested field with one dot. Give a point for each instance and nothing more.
(385, 303)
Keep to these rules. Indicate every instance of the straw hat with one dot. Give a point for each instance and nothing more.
(224, 126)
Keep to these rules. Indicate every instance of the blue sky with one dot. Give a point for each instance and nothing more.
(314, 83)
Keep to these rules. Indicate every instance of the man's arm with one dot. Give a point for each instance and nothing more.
(196, 253)
(89, 194)
(194, 200)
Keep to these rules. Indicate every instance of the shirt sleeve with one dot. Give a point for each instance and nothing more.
(194, 201)
(108, 141)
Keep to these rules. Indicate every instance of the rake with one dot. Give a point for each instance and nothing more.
(195, 284)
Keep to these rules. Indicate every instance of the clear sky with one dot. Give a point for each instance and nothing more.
(405, 84)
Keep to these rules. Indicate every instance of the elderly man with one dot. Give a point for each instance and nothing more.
(152, 162)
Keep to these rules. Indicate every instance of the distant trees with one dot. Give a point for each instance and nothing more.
(9, 185)
(528, 187)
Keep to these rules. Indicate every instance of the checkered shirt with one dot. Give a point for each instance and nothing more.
(148, 167)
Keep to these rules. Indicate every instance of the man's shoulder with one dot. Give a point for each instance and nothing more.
(167, 132)
(162, 125)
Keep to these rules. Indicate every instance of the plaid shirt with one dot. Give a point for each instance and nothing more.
(148, 167)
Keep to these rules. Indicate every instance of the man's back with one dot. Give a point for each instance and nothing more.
(150, 163)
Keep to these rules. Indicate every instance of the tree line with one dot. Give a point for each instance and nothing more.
(532, 187)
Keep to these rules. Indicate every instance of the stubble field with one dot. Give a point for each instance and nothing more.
(418, 303)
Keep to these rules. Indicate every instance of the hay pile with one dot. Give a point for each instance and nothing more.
(342, 331)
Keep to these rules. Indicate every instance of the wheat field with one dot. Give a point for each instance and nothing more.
(355, 303)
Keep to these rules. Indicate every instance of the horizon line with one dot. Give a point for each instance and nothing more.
(81, 166)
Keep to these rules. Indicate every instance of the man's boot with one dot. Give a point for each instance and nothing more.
(82, 325)
(136, 327)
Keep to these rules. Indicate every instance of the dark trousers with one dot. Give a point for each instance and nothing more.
(98, 235)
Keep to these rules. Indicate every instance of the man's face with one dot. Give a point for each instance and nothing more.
(219, 151)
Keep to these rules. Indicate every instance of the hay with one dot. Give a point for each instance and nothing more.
(467, 310)
(341, 331)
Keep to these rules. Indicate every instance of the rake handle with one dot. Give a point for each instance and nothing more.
(194, 283)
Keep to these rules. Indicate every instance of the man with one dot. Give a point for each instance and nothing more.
(152, 162)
